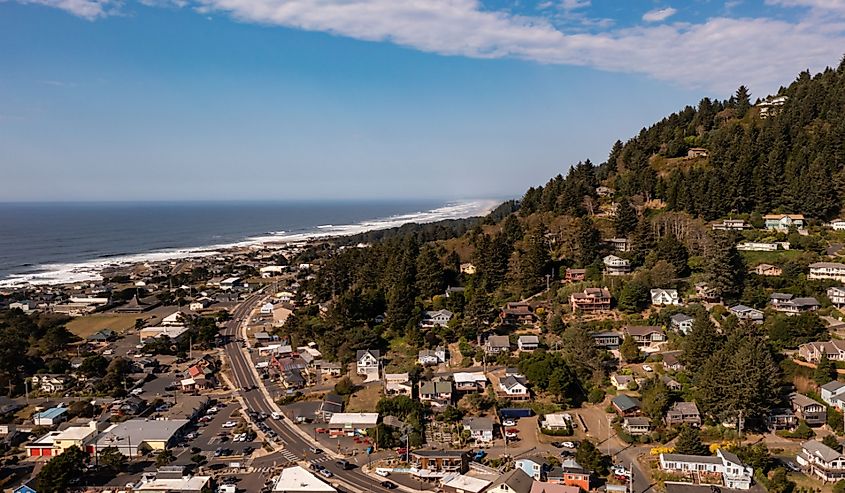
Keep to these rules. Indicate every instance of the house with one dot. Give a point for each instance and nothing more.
(533, 467)
(173, 332)
(836, 295)
(607, 340)
(50, 417)
(557, 422)
(591, 300)
(781, 419)
(24, 488)
(636, 425)
(743, 312)
(813, 351)
(453, 290)
(725, 465)
(753, 246)
(512, 388)
(436, 318)
(332, 404)
(135, 437)
(644, 336)
(625, 405)
(831, 392)
(771, 106)
(432, 357)
(706, 293)
(541, 487)
(460, 483)
(671, 383)
(367, 363)
(782, 222)
(575, 275)
(480, 429)
(172, 482)
(665, 297)
(811, 411)
(469, 382)
(730, 225)
(603, 191)
(24, 306)
(621, 382)
(230, 283)
(671, 361)
(297, 479)
(821, 461)
(827, 270)
(397, 384)
(796, 306)
(528, 343)
(438, 393)
(514, 481)
(681, 322)
(50, 383)
(683, 413)
(569, 473)
(440, 461)
(616, 266)
(768, 270)
(696, 152)
(497, 344)
(517, 313)
(468, 268)
(105, 335)
(619, 244)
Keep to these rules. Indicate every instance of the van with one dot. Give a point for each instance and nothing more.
(344, 464)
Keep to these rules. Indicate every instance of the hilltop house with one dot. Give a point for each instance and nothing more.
(743, 312)
(591, 300)
(480, 429)
(513, 388)
(437, 318)
(771, 106)
(497, 344)
(432, 357)
(607, 340)
(768, 270)
(696, 152)
(616, 266)
(575, 275)
(786, 303)
(836, 295)
(397, 384)
(730, 225)
(367, 363)
(683, 413)
(833, 394)
(528, 342)
(438, 393)
(665, 297)
(827, 270)
(469, 382)
(782, 222)
(813, 351)
(517, 313)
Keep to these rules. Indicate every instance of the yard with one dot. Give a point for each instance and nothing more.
(365, 399)
(776, 257)
(89, 324)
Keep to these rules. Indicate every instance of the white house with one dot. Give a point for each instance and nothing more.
(470, 381)
(480, 429)
(743, 312)
(267, 309)
(437, 318)
(681, 322)
(432, 357)
(616, 266)
(528, 343)
(827, 270)
(838, 224)
(621, 382)
(734, 473)
(397, 384)
(50, 383)
(367, 362)
(664, 297)
(512, 388)
(833, 393)
(821, 461)
(836, 295)
(297, 479)
(782, 222)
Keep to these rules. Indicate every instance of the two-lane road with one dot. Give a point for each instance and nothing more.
(245, 378)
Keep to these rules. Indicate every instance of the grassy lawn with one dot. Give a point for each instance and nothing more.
(402, 357)
(89, 324)
(364, 400)
(776, 257)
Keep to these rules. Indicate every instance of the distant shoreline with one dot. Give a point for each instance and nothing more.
(57, 274)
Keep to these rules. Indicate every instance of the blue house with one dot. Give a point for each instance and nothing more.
(24, 488)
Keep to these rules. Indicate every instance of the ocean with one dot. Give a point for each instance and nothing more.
(54, 243)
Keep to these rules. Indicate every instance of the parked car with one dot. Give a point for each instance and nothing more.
(648, 368)
(508, 422)
(321, 430)
(229, 424)
(383, 473)
(326, 473)
(388, 484)
(344, 464)
(275, 415)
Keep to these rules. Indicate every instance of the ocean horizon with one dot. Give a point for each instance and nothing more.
(65, 242)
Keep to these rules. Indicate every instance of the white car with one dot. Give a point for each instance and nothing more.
(568, 444)
(648, 368)
(508, 422)
(275, 415)
(229, 424)
(212, 410)
(383, 472)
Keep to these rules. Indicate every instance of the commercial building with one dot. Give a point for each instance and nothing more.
(136, 436)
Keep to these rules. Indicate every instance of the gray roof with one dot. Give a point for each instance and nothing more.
(637, 421)
(482, 423)
(361, 352)
(802, 400)
(517, 481)
(625, 402)
(681, 317)
(443, 387)
(833, 386)
(498, 341)
(706, 459)
(529, 339)
(685, 407)
(820, 450)
(781, 296)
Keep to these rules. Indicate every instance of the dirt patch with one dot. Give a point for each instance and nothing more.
(89, 324)
(365, 400)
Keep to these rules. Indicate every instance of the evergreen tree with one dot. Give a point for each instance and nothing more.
(689, 442)
(674, 252)
(625, 220)
(591, 458)
(634, 297)
(62, 471)
(112, 458)
(742, 101)
(531, 264)
(587, 242)
(700, 344)
(825, 370)
(629, 350)
(430, 275)
(725, 268)
(642, 242)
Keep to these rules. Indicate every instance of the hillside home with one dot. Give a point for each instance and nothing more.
(768, 270)
(671, 361)
(782, 222)
(528, 343)
(730, 225)
(397, 384)
(557, 422)
(50, 383)
(469, 382)
(794, 306)
(811, 411)
(838, 224)
(616, 266)
(696, 152)
(575, 275)
(836, 295)
(603, 191)
(625, 405)
(821, 461)
(591, 300)
(704, 292)
(367, 363)
(513, 388)
(619, 244)
(515, 481)
(436, 318)
(480, 429)
(754, 246)
(607, 340)
(636, 425)
(621, 382)
(497, 344)
(440, 461)
(468, 268)
(681, 322)
(827, 270)
(535, 467)
(781, 419)
(665, 297)
(517, 313)
(671, 383)
(50, 417)
(725, 465)
(813, 351)
(833, 394)
(438, 393)
(432, 357)
(569, 473)
(743, 312)
(683, 413)
(644, 336)
(771, 106)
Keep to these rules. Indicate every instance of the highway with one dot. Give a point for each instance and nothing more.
(243, 377)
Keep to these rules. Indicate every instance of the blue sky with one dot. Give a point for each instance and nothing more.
(289, 99)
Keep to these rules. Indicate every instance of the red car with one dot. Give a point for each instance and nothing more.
(321, 430)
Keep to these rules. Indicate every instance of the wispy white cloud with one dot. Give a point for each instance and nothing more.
(87, 9)
(700, 54)
(824, 5)
(659, 15)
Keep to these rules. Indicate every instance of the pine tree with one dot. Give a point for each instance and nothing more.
(642, 241)
(430, 275)
(629, 350)
(699, 345)
(689, 442)
(634, 297)
(825, 370)
(625, 220)
(674, 252)
(725, 268)
(742, 101)
(587, 242)
(532, 262)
